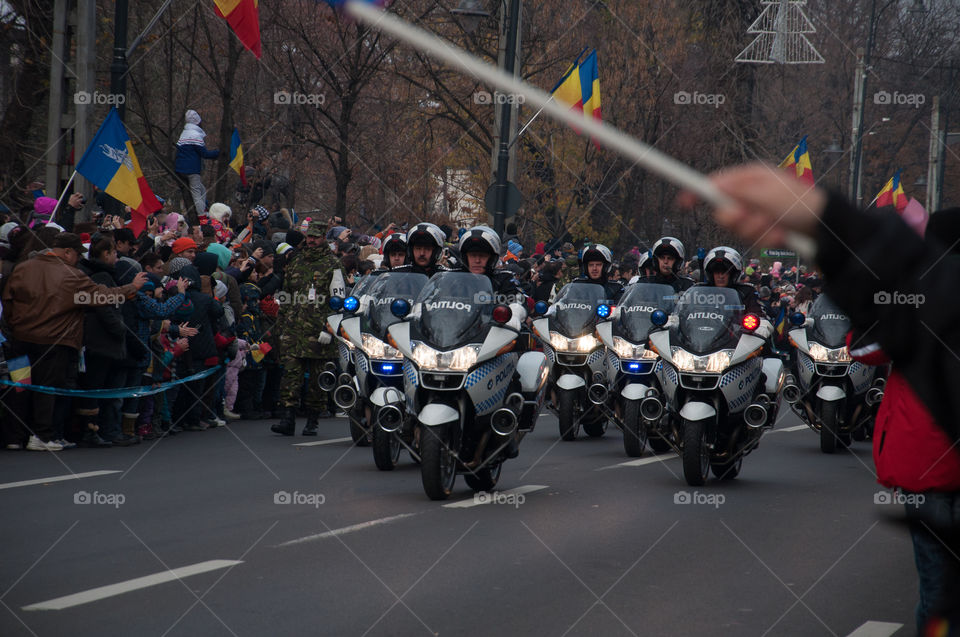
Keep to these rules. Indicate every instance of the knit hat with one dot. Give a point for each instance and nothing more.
(43, 208)
(218, 211)
(294, 238)
(206, 263)
(249, 291)
(184, 243)
(176, 264)
(514, 246)
(223, 254)
(283, 248)
(220, 290)
(262, 213)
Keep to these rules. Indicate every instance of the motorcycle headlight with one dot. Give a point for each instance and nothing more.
(459, 360)
(581, 345)
(712, 363)
(823, 354)
(628, 351)
(375, 348)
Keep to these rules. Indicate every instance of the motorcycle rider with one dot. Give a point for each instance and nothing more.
(394, 253)
(595, 263)
(722, 268)
(424, 249)
(668, 254)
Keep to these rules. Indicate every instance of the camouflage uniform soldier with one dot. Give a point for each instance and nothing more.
(305, 345)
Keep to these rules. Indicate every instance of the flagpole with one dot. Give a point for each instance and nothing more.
(535, 115)
(60, 200)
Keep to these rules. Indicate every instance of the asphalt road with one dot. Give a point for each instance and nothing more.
(194, 536)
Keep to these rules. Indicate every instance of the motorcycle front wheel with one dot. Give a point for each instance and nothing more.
(634, 429)
(829, 423)
(386, 449)
(566, 413)
(438, 466)
(696, 453)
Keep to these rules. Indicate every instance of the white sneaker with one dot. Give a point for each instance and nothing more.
(35, 444)
(230, 415)
(219, 422)
(66, 444)
(14, 446)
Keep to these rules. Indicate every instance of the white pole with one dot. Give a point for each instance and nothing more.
(53, 215)
(646, 156)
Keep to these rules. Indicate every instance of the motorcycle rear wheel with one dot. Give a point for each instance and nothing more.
(695, 453)
(597, 428)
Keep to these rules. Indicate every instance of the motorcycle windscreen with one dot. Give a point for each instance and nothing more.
(830, 325)
(709, 319)
(363, 285)
(574, 313)
(455, 309)
(640, 301)
(386, 289)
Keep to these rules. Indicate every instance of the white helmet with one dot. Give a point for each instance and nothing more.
(426, 234)
(480, 239)
(724, 257)
(670, 245)
(597, 252)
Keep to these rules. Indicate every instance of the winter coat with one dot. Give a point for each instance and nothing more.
(206, 314)
(104, 332)
(190, 158)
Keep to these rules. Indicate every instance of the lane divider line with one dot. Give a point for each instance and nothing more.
(69, 476)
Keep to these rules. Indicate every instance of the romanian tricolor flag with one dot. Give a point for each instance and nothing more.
(781, 323)
(892, 194)
(110, 164)
(243, 16)
(797, 163)
(580, 86)
(236, 156)
(19, 369)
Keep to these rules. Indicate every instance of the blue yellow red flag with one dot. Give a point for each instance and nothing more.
(797, 163)
(892, 194)
(236, 156)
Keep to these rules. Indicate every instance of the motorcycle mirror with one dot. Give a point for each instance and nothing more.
(603, 310)
(351, 303)
(541, 307)
(400, 308)
(797, 318)
(658, 318)
(335, 303)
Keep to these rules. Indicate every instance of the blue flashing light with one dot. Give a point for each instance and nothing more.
(658, 318)
(603, 310)
(400, 308)
(351, 303)
(336, 303)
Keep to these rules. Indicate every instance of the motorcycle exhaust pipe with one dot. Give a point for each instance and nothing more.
(791, 392)
(874, 396)
(651, 408)
(345, 397)
(327, 380)
(390, 418)
(880, 383)
(597, 393)
(755, 415)
(503, 421)
(344, 379)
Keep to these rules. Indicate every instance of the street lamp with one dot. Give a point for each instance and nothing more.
(502, 192)
(470, 13)
(834, 153)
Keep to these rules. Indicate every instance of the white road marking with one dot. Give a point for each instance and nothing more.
(876, 629)
(323, 442)
(347, 529)
(69, 476)
(641, 461)
(474, 501)
(103, 592)
(794, 428)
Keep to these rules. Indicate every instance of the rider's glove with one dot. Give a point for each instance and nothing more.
(325, 338)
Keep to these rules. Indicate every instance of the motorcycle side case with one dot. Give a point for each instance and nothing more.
(487, 384)
(739, 384)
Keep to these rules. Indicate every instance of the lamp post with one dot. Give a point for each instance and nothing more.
(834, 152)
(471, 13)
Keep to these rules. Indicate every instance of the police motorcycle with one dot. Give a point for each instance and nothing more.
(579, 376)
(461, 385)
(374, 395)
(720, 392)
(337, 377)
(637, 399)
(833, 394)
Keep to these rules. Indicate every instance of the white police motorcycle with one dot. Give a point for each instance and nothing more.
(638, 401)
(719, 390)
(466, 386)
(833, 394)
(374, 395)
(579, 377)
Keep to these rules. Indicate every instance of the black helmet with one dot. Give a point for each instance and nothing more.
(426, 234)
